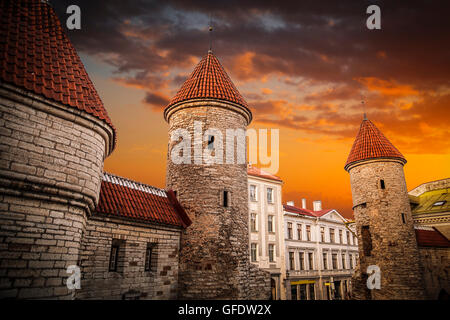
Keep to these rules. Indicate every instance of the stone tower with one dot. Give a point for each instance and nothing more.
(214, 257)
(385, 230)
(54, 136)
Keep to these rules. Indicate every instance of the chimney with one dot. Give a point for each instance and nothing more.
(304, 203)
(317, 205)
(290, 203)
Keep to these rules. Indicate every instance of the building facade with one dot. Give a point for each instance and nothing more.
(266, 227)
(321, 253)
(430, 205)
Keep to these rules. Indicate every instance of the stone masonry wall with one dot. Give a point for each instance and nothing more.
(391, 242)
(131, 280)
(214, 258)
(436, 268)
(51, 161)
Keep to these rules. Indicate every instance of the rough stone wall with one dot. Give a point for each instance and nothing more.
(50, 172)
(130, 281)
(214, 258)
(436, 270)
(392, 241)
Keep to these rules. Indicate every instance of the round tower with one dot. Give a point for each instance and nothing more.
(385, 229)
(54, 136)
(214, 257)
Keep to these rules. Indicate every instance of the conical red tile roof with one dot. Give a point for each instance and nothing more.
(209, 80)
(36, 55)
(370, 143)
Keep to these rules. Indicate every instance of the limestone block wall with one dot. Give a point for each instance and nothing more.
(214, 258)
(436, 270)
(51, 159)
(386, 238)
(130, 280)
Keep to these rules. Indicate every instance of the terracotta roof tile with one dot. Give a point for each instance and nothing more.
(305, 212)
(370, 143)
(36, 55)
(253, 171)
(129, 199)
(209, 80)
(431, 238)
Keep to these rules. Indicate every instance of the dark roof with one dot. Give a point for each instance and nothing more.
(36, 55)
(121, 197)
(370, 143)
(209, 80)
(431, 238)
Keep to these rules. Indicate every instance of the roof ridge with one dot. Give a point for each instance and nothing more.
(116, 179)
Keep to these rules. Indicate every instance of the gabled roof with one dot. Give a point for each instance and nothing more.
(209, 80)
(370, 143)
(36, 55)
(430, 237)
(256, 172)
(306, 212)
(124, 198)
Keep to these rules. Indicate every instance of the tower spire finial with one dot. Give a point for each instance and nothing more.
(210, 33)
(364, 108)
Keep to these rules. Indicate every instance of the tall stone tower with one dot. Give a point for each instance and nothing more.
(214, 257)
(385, 230)
(54, 136)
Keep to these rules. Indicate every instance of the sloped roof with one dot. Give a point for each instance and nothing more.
(36, 55)
(253, 171)
(306, 212)
(121, 197)
(209, 80)
(370, 143)
(430, 237)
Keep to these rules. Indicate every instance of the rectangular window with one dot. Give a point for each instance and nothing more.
(308, 233)
(325, 261)
(382, 185)
(269, 195)
(270, 223)
(332, 235)
(311, 261)
(226, 199)
(334, 260)
(299, 231)
(312, 293)
(340, 236)
(253, 222)
(252, 192)
(303, 292)
(289, 230)
(403, 218)
(271, 252)
(113, 258)
(343, 260)
(366, 240)
(301, 256)
(253, 251)
(291, 261)
(148, 256)
(348, 237)
(322, 234)
(294, 292)
(210, 142)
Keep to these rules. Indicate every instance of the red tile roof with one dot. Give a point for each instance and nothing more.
(306, 212)
(431, 238)
(370, 143)
(253, 171)
(36, 55)
(209, 80)
(129, 199)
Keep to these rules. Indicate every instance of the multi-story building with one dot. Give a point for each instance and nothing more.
(266, 227)
(321, 253)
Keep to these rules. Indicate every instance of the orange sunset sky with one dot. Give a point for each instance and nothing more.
(303, 67)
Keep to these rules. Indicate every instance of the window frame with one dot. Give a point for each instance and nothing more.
(271, 201)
